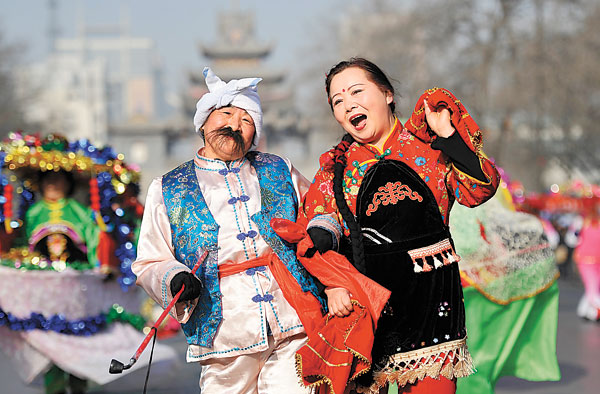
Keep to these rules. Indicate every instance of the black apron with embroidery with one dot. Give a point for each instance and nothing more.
(398, 214)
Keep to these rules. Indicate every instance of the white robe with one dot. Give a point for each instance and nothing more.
(243, 329)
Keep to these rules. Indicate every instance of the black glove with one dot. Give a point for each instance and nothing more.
(193, 286)
(322, 239)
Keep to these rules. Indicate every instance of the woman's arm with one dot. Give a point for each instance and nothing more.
(319, 212)
(462, 157)
(473, 178)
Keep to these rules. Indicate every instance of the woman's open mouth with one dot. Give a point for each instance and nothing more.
(358, 121)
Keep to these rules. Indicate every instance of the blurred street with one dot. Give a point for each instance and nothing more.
(578, 350)
(578, 355)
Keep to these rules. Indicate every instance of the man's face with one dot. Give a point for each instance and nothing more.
(228, 133)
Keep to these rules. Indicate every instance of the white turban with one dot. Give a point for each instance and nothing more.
(239, 93)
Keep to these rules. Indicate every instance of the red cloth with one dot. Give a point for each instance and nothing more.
(338, 349)
(106, 253)
(441, 98)
(430, 386)
(230, 268)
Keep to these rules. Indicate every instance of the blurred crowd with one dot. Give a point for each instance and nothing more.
(570, 214)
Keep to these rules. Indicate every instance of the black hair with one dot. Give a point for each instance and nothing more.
(374, 74)
(358, 253)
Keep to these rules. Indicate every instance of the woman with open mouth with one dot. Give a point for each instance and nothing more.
(383, 194)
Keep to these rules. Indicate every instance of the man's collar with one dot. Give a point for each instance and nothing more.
(207, 163)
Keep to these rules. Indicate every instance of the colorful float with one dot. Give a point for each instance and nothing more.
(68, 222)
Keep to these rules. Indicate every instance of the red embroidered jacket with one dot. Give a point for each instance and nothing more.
(411, 145)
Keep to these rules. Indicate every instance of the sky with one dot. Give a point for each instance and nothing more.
(177, 26)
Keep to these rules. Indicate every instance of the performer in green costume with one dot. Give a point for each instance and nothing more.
(60, 314)
(510, 292)
(59, 227)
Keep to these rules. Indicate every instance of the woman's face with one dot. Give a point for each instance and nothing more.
(361, 107)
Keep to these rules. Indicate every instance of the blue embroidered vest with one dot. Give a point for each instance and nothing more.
(193, 230)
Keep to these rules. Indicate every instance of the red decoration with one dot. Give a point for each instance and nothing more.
(95, 203)
(482, 231)
(94, 195)
(391, 193)
(8, 194)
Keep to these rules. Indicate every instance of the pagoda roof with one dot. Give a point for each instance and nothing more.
(226, 50)
(229, 72)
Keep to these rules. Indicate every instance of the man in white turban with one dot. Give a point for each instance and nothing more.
(234, 313)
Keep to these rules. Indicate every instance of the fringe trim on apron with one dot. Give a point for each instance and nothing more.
(441, 253)
(450, 360)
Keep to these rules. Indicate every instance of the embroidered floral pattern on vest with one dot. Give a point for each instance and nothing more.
(193, 230)
(391, 193)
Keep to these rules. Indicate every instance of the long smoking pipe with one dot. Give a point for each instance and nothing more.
(118, 367)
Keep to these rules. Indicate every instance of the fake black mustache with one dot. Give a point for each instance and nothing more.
(221, 136)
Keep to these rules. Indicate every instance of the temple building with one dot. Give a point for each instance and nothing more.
(237, 53)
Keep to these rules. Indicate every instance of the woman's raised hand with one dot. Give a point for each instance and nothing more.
(338, 301)
(439, 121)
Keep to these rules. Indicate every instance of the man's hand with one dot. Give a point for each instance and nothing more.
(322, 239)
(193, 286)
(338, 301)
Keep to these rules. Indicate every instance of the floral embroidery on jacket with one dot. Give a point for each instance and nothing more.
(445, 181)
